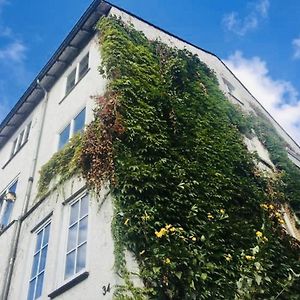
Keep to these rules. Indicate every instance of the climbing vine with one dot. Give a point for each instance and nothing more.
(190, 203)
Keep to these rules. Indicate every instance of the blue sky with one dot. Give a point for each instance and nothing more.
(259, 40)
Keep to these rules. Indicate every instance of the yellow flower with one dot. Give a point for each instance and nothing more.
(210, 216)
(160, 233)
(249, 257)
(271, 206)
(167, 260)
(264, 206)
(281, 221)
(168, 226)
(259, 234)
(172, 229)
(222, 211)
(265, 239)
(228, 257)
(126, 222)
(277, 214)
(194, 239)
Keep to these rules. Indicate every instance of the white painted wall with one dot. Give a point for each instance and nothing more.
(100, 243)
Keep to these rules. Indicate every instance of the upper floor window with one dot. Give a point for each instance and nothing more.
(77, 73)
(20, 140)
(77, 237)
(71, 79)
(229, 86)
(7, 200)
(83, 66)
(76, 125)
(39, 263)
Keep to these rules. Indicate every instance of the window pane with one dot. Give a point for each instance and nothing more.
(64, 137)
(39, 286)
(71, 81)
(35, 265)
(83, 65)
(81, 254)
(27, 132)
(79, 121)
(20, 140)
(84, 206)
(72, 238)
(13, 187)
(13, 150)
(31, 290)
(82, 230)
(43, 259)
(7, 213)
(74, 212)
(70, 263)
(39, 241)
(46, 235)
(1, 199)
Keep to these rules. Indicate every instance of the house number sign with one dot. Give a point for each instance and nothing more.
(106, 289)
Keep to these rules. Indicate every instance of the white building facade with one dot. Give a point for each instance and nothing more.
(61, 246)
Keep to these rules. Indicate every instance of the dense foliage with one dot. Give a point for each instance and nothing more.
(199, 216)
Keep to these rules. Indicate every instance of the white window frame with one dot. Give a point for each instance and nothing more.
(71, 131)
(36, 232)
(65, 252)
(77, 78)
(3, 204)
(21, 139)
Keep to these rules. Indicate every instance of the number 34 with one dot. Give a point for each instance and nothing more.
(106, 289)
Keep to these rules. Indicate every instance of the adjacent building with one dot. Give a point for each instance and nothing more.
(60, 246)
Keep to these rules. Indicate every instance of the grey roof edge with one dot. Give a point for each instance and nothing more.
(73, 33)
(54, 58)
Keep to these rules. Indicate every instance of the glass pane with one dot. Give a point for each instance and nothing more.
(83, 65)
(43, 259)
(64, 137)
(27, 132)
(35, 264)
(72, 238)
(79, 121)
(13, 188)
(82, 230)
(39, 286)
(71, 81)
(13, 150)
(39, 241)
(70, 263)
(31, 290)
(20, 140)
(84, 206)
(7, 213)
(81, 254)
(74, 212)
(1, 199)
(46, 235)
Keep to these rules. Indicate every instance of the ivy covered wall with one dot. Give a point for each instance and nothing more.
(201, 219)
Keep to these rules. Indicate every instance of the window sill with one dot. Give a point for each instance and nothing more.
(65, 287)
(73, 87)
(11, 158)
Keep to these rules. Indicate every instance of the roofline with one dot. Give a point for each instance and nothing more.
(51, 61)
(73, 33)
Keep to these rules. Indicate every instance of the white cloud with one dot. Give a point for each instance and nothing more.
(279, 97)
(296, 46)
(13, 52)
(240, 26)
